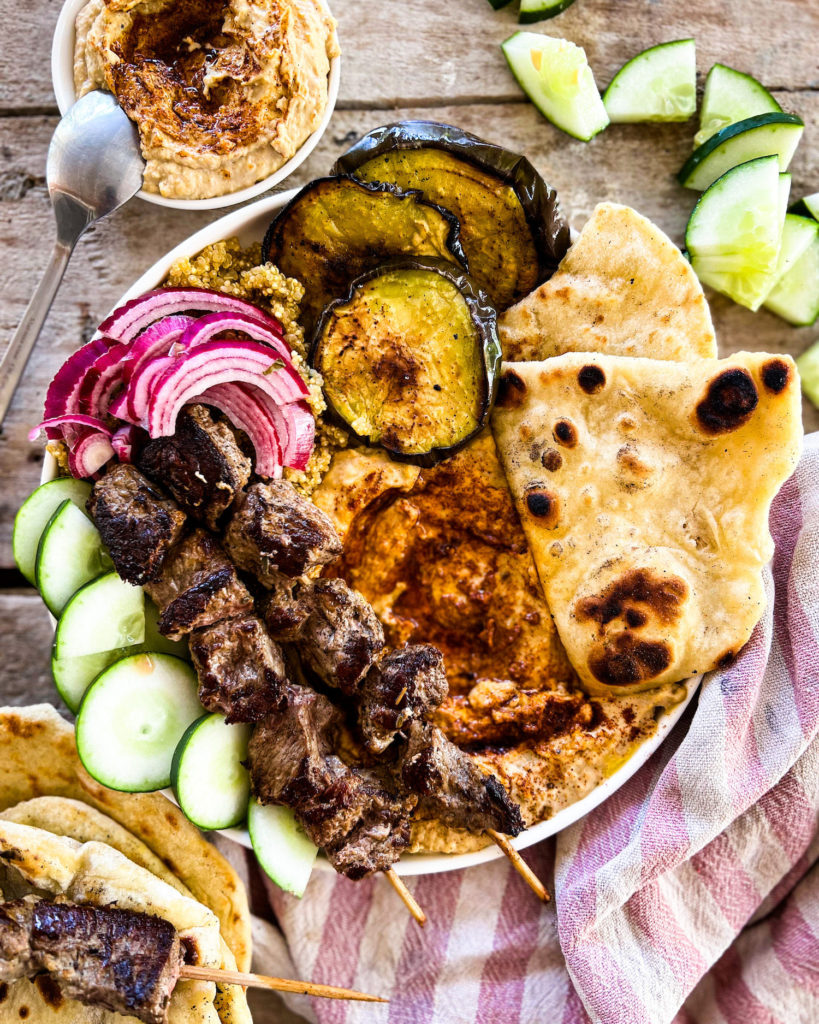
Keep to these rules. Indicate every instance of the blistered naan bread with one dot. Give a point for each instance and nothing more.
(623, 289)
(644, 489)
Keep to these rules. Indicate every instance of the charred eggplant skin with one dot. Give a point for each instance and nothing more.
(483, 319)
(326, 264)
(541, 207)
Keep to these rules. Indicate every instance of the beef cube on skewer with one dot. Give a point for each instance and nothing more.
(198, 587)
(405, 685)
(342, 637)
(241, 670)
(275, 528)
(137, 522)
(201, 464)
(287, 606)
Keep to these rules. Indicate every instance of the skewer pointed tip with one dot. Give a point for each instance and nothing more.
(519, 864)
(409, 900)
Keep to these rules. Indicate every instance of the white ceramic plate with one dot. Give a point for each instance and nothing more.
(62, 76)
(250, 224)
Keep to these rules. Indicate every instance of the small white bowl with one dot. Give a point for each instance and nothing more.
(62, 77)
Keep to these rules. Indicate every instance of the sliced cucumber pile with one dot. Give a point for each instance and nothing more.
(70, 554)
(556, 77)
(731, 96)
(659, 84)
(132, 718)
(103, 615)
(808, 362)
(34, 515)
(208, 777)
(284, 852)
(795, 298)
(540, 10)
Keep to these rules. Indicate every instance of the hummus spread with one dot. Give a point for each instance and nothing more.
(441, 556)
(223, 94)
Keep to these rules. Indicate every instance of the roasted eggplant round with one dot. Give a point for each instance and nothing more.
(410, 358)
(512, 230)
(337, 228)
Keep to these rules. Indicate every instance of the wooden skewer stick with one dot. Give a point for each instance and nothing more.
(409, 900)
(519, 864)
(192, 972)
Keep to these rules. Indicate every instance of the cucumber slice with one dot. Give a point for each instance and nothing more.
(105, 614)
(734, 232)
(796, 299)
(208, 777)
(540, 10)
(659, 84)
(797, 236)
(556, 77)
(34, 515)
(807, 206)
(808, 362)
(731, 96)
(284, 852)
(70, 554)
(764, 135)
(132, 718)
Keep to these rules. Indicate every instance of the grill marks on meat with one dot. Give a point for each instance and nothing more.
(198, 587)
(287, 606)
(275, 528)
(137, 523)
(404, 686)
(120, 960)
(342, 637)
(201, 464)
(241, 670)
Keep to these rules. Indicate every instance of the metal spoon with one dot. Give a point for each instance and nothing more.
(94, 166)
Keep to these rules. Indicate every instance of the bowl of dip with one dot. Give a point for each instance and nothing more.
(229, 98)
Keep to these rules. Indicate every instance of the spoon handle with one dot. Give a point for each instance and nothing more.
(16, 357)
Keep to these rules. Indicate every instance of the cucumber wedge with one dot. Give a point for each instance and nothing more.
(808, 364)
(731, 96)
(284, 852)
(34, 515)
(70, 554)
(797, 236)
(556, 77)
(208, 777)
(132, 718)
(734, 232)
(540, 10)
(795, 298)
(103, 615)
(774, 134)
(807, 206)
(659, 84)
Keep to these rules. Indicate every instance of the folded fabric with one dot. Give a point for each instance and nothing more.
(691, 895)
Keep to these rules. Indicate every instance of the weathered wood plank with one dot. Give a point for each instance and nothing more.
(25, 640)
(449, 52)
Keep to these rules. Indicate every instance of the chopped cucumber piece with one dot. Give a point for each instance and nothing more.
(208, 777)
(659, 84)
(284, 852)
(556, 77)
(808, 362)
(70, 554)
(797, 236)
(731, 96)
(796, 299)
(132, 718)
(807, 207)
(34, 515)
(103, 615)
(540, 10)
(734, 232)
(765, 135)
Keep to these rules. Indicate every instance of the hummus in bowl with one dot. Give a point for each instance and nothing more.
(228, 98)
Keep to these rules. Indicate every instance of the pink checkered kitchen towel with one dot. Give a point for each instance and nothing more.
(691, 895)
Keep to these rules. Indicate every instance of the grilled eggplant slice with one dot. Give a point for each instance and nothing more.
(410, 358)
(512, 230)
(337, 228)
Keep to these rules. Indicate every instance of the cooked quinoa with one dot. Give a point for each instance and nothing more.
(228, 267)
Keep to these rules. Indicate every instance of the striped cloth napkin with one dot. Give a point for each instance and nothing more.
(691, 896)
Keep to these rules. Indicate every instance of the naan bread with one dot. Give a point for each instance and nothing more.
(623, 289)
(644, 489)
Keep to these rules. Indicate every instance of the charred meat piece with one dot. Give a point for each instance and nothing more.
(201, 465)
(275, 528)
(287, 606)
(16, 958)
(405, 685)
(241, 670)
(354, 815)
(452, 788)
(342, 637)
(198, 587)
(137, 522)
